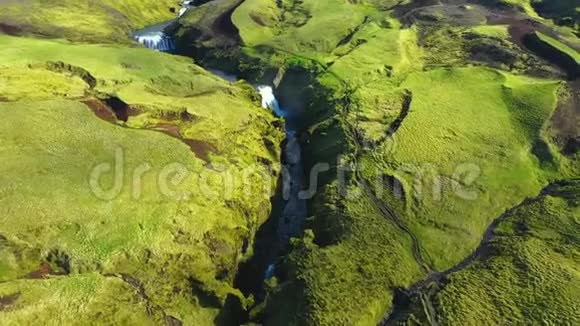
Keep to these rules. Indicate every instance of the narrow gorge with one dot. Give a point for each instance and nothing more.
(294, 162)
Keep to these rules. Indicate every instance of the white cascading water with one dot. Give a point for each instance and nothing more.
(156, 41)
(294, 213)
(269, 101)
(155, 38)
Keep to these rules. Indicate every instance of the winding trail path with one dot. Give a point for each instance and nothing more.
(420, 288)
(379, 205)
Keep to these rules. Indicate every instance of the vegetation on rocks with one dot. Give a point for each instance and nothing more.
(117, 207)
(526, 271)
(437, 121)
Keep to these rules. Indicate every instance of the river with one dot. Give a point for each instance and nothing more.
(291, 215)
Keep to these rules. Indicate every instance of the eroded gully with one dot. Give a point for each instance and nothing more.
(288, 210)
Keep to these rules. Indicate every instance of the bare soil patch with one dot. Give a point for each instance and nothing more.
(200, 148)
(565, 123)
(10, 29)
(43, 272)
(8, 300)
(101, 110)
(113, 109)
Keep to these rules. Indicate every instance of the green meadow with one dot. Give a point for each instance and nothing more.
(561, 47)
(87, 21)
(438, 123)
(480, 151)
(157, 206)
(450, 107)
(532, 262)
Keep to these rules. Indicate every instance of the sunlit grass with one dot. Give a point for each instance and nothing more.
(50, 147)
(476, 118)
(104, 21)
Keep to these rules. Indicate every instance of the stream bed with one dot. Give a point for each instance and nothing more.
(288, 208)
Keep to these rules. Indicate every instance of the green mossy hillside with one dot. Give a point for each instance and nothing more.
(345, 269)
(27, 302)
(89, 21)
(527, 271)
(159, 88)
(438, 102)
(149, 216)
(481, 133)
(563, 12)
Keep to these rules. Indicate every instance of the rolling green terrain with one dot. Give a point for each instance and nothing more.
(440, 101)
(532, 262)
(563, 12)
(496, 141)
(450, 129)
(90, 21)
(121, 215)
(561, 47)
(533, 259)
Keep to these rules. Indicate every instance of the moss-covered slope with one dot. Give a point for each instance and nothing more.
(132, 184)
(101, 21)
(527, 270)
(436, 113)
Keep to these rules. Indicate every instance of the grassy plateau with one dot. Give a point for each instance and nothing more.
(113, 160)
(444, 120)
(450, 129)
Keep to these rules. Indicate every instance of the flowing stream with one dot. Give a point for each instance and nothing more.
(288, 209)
(155, 38)
(293, 215)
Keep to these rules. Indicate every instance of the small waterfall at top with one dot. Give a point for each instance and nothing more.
(290, 216)
(294, 212)
(154, 37)
(269, 101)
(156, 41)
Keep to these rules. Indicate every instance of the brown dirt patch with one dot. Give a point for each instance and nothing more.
(200, 148)
(521, 25)
(111, 109)
(565, 123)
(8, 300)
(518, 32)
(101, 110)
(518, 27)
(41, 273)
(522, 30)
(10, 29)
(121, 109)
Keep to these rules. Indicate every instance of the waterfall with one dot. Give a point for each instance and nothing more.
(157, 41)
(154, 37)
(269, 101)
(269, 273)
(187, 4)
(294, 213)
